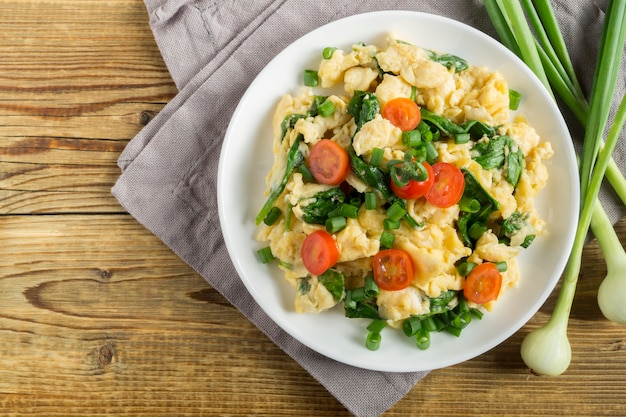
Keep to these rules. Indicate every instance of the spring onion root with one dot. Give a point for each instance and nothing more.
(547, 350)
(612, 291)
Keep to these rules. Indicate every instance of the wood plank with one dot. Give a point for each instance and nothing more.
(138, 331)
(71, 97)
(135, 332)
(98, 316)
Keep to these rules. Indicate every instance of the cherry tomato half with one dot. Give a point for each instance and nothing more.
(329, 163)
(415, 189)
(393, 269)
(319, 252)
(448, 187)
(403, 113)
(483, 283)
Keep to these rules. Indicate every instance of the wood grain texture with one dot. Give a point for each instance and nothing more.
(78, 79)
(99, 317)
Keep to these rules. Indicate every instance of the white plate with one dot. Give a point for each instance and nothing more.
(246, 157)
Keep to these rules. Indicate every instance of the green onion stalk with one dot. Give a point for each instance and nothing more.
(547, 349)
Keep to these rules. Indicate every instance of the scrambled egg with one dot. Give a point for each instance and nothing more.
(436, 247)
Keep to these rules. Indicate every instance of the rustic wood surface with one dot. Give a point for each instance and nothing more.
(98, 316)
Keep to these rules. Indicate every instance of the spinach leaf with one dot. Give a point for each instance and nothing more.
(289, 121)
(442, 303)
(295, 158)
(371, 175)
(491, 152)
(324, 202)
(361, 302)
(478, 129)
(378, 180)
(514, 166)
(515, 223)
(488, 205)
(449, 61)
(304, 285)
(501, 152)
(363, 310)
(364, 106)
(445, 126)
(334, 282)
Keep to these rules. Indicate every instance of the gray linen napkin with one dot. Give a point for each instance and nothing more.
(213, 50)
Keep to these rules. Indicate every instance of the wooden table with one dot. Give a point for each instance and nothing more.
(97, 316)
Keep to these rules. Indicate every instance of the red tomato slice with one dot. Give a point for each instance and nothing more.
(415, 189)
(393, 269)
(329, 163)
(483, 283)
(319, 252)
(403, 113)
(448, 187)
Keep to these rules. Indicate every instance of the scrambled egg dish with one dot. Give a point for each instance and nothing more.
(464, 121)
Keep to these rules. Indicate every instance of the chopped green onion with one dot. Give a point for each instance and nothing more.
(502, 266)
(413, 95)
(429, 324)
(462, 320)
(422, 339)
(387, 239)
(395, 211)
(306, 173)
(335, 224)
(370, 288)
(265, 254)
(462, 306)
(443, 299)
(411, 325)
(284, 264)
(431, 153)
(373, 341)
(528, 240)
(427, 136)
(446, 318)
(411, 138)
(358, 294)
(476, 230)
(370, 200)
(455, 331)
(350, 211)
(377, 325)
(389, 224)
(349, 302)
(272, 216)
(326, 108)
(336, 212)
(465, 268)
(461, 138)
(355, 201)
(328, 52)
(439, 324)
(469, 205)
(288, 216)
(311, 78)
(376, 159)
(476, 313)
(514, 99)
